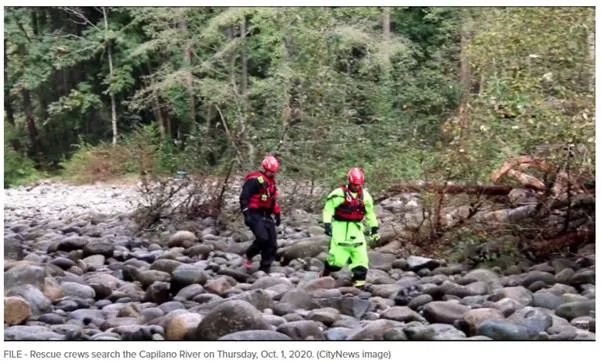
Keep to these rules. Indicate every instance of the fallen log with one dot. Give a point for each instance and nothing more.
(484, 190)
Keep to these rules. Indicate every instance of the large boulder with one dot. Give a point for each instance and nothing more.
(230, 317)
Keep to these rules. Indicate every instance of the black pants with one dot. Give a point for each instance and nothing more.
(263, 227)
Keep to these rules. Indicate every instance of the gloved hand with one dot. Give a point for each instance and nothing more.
(328, 229)
(278, 220)
(374, 236)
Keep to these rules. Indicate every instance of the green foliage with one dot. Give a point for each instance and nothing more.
(18, 168)
(535, 91)
(90, 164)
(322, 87)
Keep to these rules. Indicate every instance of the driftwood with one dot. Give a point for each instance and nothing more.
(484, 190)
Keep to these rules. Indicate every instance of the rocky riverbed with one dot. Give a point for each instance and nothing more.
(75, 269)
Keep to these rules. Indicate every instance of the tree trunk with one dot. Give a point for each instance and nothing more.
(32, 129)
(465, 76)
(110, 58)
(386, 23)
(244, 76)
(8, 107)
(188, 64)
(591, 44)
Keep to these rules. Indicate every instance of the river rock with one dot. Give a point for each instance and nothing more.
(157, 292)
(444, 311)
(229, 317)
(23, 275)
(185, 275)
(547, 300)
(446, 332)
(255, 335)
(504, 330)
(517, 293)
(74, 289)
(182, 326)
(475, 317)
(35, 298)
(402, 313)
(303, 249)
(303, 330)
(221, 285)
(416, 263)
(327, 316)
(575, 309)
(535, 319)
(584, 276)
(534, 276)
(104, 248)
(25, 332)
(184, 239)
(381, 261)
(16, 310)
(419, 332)
(165, 265)
(298, 299)
(372, 331)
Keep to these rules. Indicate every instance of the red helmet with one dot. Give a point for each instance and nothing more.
(355, 176)
(271, 164)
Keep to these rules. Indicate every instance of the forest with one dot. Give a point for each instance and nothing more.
(128, 132)
(408, 93)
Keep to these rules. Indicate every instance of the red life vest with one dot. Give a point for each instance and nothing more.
(266, 198)
(352, 209)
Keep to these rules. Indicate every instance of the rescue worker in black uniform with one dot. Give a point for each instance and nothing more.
(258, 203)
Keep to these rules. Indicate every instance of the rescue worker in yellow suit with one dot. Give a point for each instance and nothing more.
(345, 210)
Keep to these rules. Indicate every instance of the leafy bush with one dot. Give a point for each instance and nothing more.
(98, 163)
(18, 169)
